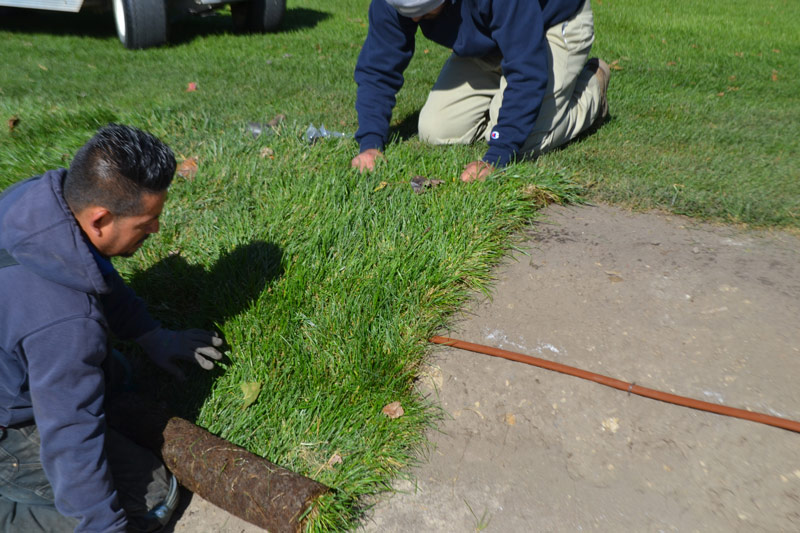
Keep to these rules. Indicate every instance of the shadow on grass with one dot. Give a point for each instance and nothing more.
(409, 126)
(100, 25)
(582, 136)
(186, 296)
(300, 18)
(218, 23)
(406, 128)
(94, 25)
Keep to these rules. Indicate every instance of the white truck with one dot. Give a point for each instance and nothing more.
(143, 23)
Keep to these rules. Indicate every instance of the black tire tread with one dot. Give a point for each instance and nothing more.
(146, 23)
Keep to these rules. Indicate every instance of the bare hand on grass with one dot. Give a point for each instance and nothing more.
(365, 161)
(477, 170)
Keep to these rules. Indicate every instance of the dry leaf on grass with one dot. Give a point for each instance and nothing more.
(393, 410)
(250, 390)
(267, 152)
(420, 183)
(12, 122)
(277, 119)
(188, 168)
(382, 185)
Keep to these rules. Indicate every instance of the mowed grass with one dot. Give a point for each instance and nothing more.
(326, 284)
(705, 110)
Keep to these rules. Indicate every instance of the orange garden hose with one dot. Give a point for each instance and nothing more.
(631, 388)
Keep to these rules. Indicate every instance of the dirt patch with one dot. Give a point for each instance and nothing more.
(668, 303)
(693, 309)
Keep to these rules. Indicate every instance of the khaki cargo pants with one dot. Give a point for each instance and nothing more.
(465, 101)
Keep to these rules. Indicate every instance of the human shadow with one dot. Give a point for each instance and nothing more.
(409, 126)
(406, 128)
(184, 296)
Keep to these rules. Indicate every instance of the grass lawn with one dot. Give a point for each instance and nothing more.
(326, 284)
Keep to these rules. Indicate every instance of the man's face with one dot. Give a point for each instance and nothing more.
(430, 15)
(126, 234)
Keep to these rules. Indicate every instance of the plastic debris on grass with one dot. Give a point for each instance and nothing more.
(313, 134)
(268, 128)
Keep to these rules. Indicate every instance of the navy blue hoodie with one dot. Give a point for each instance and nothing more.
(515, 29)
(56, 312)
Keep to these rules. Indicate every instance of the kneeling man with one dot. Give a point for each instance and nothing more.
(519, 76)
(61, 467)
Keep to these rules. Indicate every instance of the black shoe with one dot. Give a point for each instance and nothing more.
(157, 517)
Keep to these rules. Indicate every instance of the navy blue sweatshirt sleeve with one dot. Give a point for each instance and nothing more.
(518, 29)
(125, 312)
(67, 389)
(384, 57)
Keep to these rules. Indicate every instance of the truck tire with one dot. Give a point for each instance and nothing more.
(258, 16)
(141, 23)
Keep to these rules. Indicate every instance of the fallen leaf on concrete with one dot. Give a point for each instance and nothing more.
(614, 277)
(393, 410)
(12, 122)
(611, 424)
(250, 390)
(431, 375)
(510, 419)
(188, 168)
(191, 87)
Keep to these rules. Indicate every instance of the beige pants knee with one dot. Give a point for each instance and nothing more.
(464, 104)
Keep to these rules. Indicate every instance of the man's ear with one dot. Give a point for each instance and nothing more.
(95, 220)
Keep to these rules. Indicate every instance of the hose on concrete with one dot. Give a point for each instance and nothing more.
(630, 388)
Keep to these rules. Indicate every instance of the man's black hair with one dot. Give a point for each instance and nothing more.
(115, 167)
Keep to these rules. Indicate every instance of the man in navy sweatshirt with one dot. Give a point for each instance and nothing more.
(519, 76)
(61, 467)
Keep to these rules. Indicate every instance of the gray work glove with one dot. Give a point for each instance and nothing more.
(164, 345)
